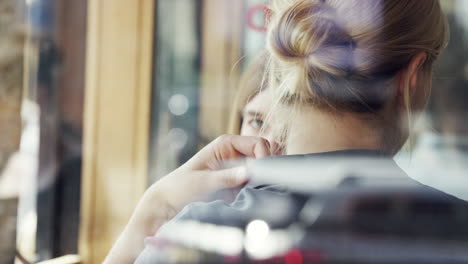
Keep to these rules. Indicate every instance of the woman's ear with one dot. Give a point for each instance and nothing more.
(413, 70)
(409, 79)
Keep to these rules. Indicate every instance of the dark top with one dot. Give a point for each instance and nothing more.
(395, 205)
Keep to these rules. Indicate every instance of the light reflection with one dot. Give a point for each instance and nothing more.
(177, 138)
(178, 104)
(257, 230)
(257, 243)
(208, 237)
(263, 243)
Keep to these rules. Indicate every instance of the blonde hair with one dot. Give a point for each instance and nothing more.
(342, 55)
(251, 83)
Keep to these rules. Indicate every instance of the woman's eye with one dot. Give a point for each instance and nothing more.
(256, 123)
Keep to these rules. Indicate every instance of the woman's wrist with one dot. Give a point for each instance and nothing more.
(152, 211)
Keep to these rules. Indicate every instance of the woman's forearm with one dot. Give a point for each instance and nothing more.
(151, 213)
(202, 174)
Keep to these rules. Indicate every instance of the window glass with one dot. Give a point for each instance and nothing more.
(438, 143)
(199, 60)
(202, 49)
(41, 92)
(208, 78)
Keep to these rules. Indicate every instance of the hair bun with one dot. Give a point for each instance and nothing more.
(345, 54)
(309, 32)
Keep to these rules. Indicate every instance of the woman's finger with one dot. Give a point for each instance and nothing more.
(276, 149)
(229, 178)
(254, 147)
(229, 147)
(261, 149)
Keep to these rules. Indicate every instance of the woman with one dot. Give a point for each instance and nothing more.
(357, 70)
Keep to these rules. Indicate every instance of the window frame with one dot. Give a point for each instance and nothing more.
(116, 120)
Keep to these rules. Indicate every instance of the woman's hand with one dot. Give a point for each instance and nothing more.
(217, 166)
(204, 173)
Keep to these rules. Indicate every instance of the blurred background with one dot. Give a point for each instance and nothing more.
(113, 95)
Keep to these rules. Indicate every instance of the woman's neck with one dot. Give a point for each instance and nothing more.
(316, 131)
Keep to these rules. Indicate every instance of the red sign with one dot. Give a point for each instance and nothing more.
(252, 12)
